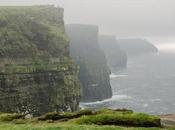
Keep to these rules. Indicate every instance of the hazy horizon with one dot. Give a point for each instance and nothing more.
(123, 18)
(48, 66)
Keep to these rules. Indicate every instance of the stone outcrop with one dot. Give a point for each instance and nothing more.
(94, 71)
(137, 46)
(116, 57)
(37, 74)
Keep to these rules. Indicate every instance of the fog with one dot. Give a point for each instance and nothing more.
(123, 18)
(141, 64)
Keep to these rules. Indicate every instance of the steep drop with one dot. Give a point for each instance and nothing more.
(37, 74)
(116, 57)
(94, 71)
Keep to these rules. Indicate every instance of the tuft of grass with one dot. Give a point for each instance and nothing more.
(84, 112)
(111, 111)
(10, 117)
(65, 116)
(19, 121)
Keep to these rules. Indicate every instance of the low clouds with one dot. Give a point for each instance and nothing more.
(120, 17)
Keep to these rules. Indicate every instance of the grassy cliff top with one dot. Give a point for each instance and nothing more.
(32, 34)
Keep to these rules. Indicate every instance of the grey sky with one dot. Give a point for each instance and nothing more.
(119, 17)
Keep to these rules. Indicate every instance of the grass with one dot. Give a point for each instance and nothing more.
(83, 120)
(125, 118)
(65, 116)
(65, 126)
(10, 117)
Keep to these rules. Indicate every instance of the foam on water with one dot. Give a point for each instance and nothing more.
(117, 76)
(114, 98)
(148, 89)
(156, 100)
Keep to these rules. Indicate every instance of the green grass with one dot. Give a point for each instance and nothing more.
(120, 118)
(82, 120)
(10, 117)
(65, 116)
(65, 126)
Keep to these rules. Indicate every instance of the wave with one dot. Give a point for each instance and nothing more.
(117, 76)
(114, 98)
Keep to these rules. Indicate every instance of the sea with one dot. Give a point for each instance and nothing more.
(146, 85)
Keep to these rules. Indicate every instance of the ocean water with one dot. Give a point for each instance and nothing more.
(146, 85)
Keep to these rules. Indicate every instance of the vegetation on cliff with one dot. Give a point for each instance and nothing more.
(37, 74)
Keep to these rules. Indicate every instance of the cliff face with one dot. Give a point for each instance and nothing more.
(136, 46)
(36, 73)
(94, 72)
(116, 57)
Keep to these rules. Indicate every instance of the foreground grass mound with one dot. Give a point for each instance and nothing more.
(10, 117)
(104, 119)
(124, 118)
(61, 126)
(65, 116)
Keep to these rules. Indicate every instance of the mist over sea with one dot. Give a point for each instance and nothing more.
(146, 85)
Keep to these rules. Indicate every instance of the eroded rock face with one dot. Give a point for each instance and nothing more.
(94, 72)
(137, 46)
(116, 57)
(37, 74)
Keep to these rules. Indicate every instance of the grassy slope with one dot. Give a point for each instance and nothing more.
(68, 126)
(78, 122)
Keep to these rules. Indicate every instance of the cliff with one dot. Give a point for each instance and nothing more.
(116, 57)
(94, 72)
(37, 74)
(137, 46)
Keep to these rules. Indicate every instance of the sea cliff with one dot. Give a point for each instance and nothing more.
(137, 46)
(116, 57)
(94, 71)
(37, 74)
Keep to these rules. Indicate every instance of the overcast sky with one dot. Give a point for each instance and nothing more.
(118, 17)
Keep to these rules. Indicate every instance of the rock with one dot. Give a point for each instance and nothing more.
(137, 46)
(94, 71)
(168, 120)
(37, 74)
(116, 57)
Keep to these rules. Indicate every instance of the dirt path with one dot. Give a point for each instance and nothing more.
(168, 120)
